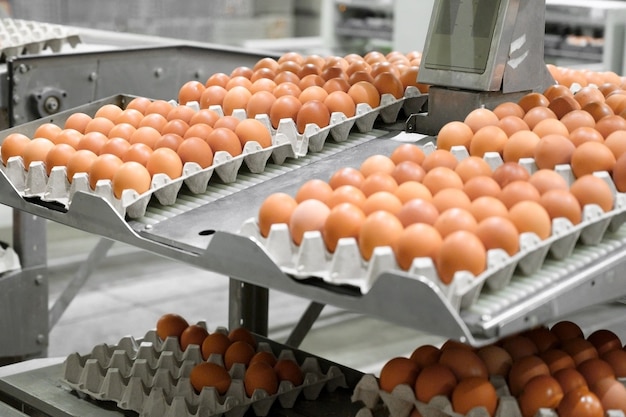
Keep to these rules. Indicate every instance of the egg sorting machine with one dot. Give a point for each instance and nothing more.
(204, 233)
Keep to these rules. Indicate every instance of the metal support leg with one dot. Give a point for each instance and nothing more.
(248, 307)
(24, 293)
(305, 324)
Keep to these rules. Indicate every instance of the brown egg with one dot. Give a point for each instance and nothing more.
(543, 338)
(538, 114)
(379, 229)
(340, 101)
(199, 130)
(99, 124)
(184, 113)
(146, 135)
(619, 173)
(103, 167)
(238, 352)
(264, 356)
(580, 402)
(377, 163)
(408, 171)
(266, 62)
(561, 203)
(252, 130)
(481, 186)
(218, 78)
(365, 92)
(286, 76)
(556, 359)
(165, 161)
(517, 191)
(215, 343)
(553, 150)
(617, 359)
(81, 162)
(343, 221)
(550, 126)
(460, 251)
(570, 379)
(130, 116)
(439, 158)
(314, 188)
(487, 206)
(388, 83)
(589, 189)
(604, 340)
(285, 107)
(360, 76)
(312, 112)
(13, 145)
(471, 167)
(578, 118)
(584, 134)
(195, 149)
(474, 392)
(479, 118)
(508, 108)
(336, 84)
(595, 370)
(131, 175)
(418, 240)
(520, 145)
(47, 131)
(496, 359)
(263, 84)
(396, 371)
(497, 232)
(238, 81)
(346, 176)
(532, 100)
(563, 105)
(592, 157)
(224, 139)
(434, 379)
(509, 172)
(381, 200)
(77, 121)
(611, 393)
(542, 391)
(530, 216)
(122, 130)
(286, 88)
(610, 124)
(588, 95)
(454, 133)
(440, 178)
(487, 139)
(212, 96)
(138, 103)
(557, 90)
(194, 334)
(523, 370)
(289, 370)
(190, 91)
(512, 124)
(334, 73)
(579, 349)
(170, 325)
(242, 334)
(92, 141)
(259, 103)
(313, 92)
(309, 215)
(546, 179)
(616, 142)
(425, 355)
(236, 98)
(36, 150)
(207, 374)
(566, 330)
(451, 198)
(58, 155)
(275, 209)
(138, 152)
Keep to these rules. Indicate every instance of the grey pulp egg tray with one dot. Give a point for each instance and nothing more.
(287, 142)
(150, 376)
(19, 37)
(401, 401)
(346, 266)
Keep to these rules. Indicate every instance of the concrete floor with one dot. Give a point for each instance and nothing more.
(131, 289)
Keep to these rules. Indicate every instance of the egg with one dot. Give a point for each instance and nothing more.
(435, 379)
(226, 140)
(562, 203)
(556, 359)
(260, 376)
(78, 121)
(553, 150)
(36, 150)
(364, 92)
(580, 402)
(190, 91)
(377, 163)
(517, 191)
(200, 130)
(212, 96)
(536, 115)
(417, 210)
(289, 370)
(543, 338)
(176, 126)
(546, 179)
(479, 118)
(236, 98)
(165, 161)
(440, 178)
(147, 135)
(286, 76)
(523, 370)
(379, 229)
(122, 130)
(287, 88)
(519, 346)
(563, 105)
(439, 158)
(487, 139)
(381, 200)
(194, 149)
(619, 174)
(139, 104)
(408, 171)
(309, 215)
(204, 116)
(228, 122)
(542, 391)
(530, 216)
(207, 374)
(418, 240)
(496, 359)
(238, 81)
(131, 116)
(184, 113)
(343, 221)
(604, 340)
(238, 352)
(588, 94)
(131, 175)
(215, 343)
(314, 188)
(340, 101)
(425, 355)
(617, 359)
(346, 176)
(285, 107)
(396, 371)
(360, 76)
(266, 62)
(481, 186)
(474, 392)
(99, 124)
(59, 155)
(407, 152)
(610, 124)
(47, 130)
(103, 167)
(388, 83)
(611, 393)
(252, 130)
(497, 232)
(194, 334)
(579, 349)
(218, 78)
(471, 167)
(595, 370)
(460, 251)
(616, 142)
(80, 161)
(591, 157)
(590, 189)
(13, 145)
(550, 126)
(508, 108)
(170, 325)
(263, 356)
(487, 206)
(138, 152)
(410, 190)
(566, 330)
(378, 181)
(242, 334)
(450, 198)
(578, 118)
(337, 84)
(275, 209)
(570, 379)
(312, 112)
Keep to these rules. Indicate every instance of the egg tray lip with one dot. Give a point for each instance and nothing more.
(151, 377)
(21, 37)
(401, 401)
(287, 142)
(346, 266)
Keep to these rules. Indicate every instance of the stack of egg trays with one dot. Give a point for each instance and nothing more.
(151, 377)
(401, 401)
(287, 142)
(346, 266)
(19, 37)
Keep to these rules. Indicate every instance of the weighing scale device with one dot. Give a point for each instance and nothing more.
(480, 53)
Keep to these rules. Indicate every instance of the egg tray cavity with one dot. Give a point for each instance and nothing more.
(287, 142)
(346, 266)
(19, 37)
(151, 377)
(401, 401)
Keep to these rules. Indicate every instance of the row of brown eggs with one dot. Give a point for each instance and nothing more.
(433, 206)
(239, 346)
(555, 368)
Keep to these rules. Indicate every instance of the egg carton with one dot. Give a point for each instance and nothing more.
(401, 401)
(19, 37)
(151, 377)
(346, 266)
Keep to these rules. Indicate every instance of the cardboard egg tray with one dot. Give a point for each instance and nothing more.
(151, 377)
(19, 37)
(401, 402)
(286, 143)
(346, 266)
